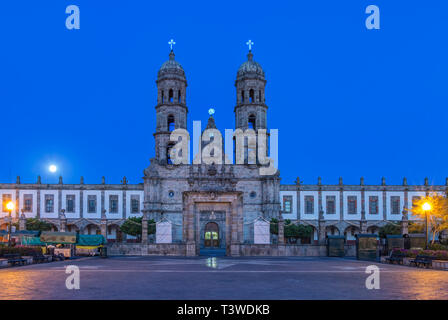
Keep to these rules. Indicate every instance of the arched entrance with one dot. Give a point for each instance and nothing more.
(211, 235)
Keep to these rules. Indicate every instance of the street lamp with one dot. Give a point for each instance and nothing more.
(10, 208)
(426, 207)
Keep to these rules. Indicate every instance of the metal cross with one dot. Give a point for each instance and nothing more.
(171, 43)
(250, 43)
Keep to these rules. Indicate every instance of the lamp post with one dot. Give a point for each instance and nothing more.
(10, 208)
(426, 207)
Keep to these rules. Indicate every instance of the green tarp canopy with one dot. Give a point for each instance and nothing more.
(63, 237)
(32, 241)
(90, 240)
(58, 237)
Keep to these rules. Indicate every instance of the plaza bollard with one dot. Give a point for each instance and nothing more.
(103, 252)
(367, 247)
(335, 246)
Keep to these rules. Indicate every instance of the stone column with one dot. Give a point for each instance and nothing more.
(145, 228)
(236, 232)
(81, 198)
(16, 208)
(405, 222)
(321, 219)
(22, 222)
(281, 231)
(321, 232)
(60, 194)
(341, 200)
(62, 221)
(363, 226)
(404, 218)
(103, 225)
(383, 183)
(363, 222)
(38, 198)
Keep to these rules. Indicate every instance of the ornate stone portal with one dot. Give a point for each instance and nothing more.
(196, 214)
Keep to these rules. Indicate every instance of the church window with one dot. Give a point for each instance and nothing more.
(242, 96)
(28, 202)
(179, 96)
(251, 122)
(171, 123)
(113, 204)
(163, 98)
(49, 203)
(253, 194)
(373, 204)
(91, 204)
(287, 204)
(259, 96)
(171, 194)
(352, 205)
(331, 204)
(251, 96)
(395, 204)
(309, 204)
(171, 95)
(70, 203)
(135, 203)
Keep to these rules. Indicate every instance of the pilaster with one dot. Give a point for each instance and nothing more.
(281, 231)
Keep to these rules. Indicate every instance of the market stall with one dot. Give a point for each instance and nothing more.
(62, 243)
(90, 245)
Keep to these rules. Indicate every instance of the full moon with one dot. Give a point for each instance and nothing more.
(53, 168)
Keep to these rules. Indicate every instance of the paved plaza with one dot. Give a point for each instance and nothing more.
(220, 278)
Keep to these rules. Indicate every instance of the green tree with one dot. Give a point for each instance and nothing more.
(34, 224)
(298, 231)
(133, 226)
(437, 214)
(389, 229)
(304, 231)
(416, 227)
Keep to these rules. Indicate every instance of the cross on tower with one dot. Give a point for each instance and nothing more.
(250, 43)
(171, 43)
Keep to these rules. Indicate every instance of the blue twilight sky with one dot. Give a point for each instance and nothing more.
(349, 101)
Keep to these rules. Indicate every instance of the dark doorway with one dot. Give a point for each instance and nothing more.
(211, 236)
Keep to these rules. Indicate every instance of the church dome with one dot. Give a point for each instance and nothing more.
(250, 69)
(171, 68)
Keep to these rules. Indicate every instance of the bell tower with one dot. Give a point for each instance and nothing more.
(171, 108)
(250, 109)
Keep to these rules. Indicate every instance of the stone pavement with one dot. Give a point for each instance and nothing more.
(221, 278)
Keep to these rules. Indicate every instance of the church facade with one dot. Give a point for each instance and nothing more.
(211, 206)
